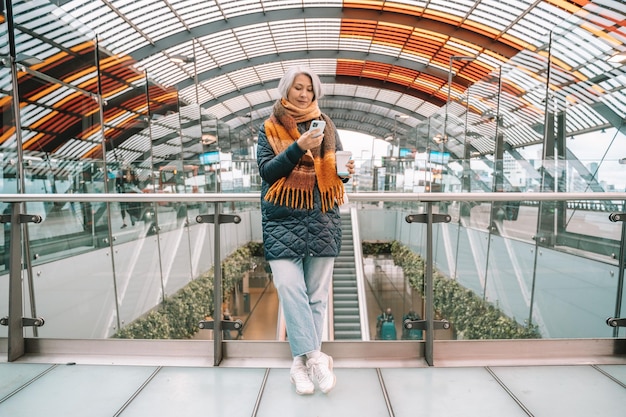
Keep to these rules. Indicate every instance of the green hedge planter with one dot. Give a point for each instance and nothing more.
(470, 315)
(177, 317)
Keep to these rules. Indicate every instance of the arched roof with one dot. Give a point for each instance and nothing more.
(377, 59)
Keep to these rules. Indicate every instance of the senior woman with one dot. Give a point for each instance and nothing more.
(300, 197)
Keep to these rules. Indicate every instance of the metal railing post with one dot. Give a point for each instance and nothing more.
(15, 319)
(218, 323)
(429, 324)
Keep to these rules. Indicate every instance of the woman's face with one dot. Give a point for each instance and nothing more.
(301, 92)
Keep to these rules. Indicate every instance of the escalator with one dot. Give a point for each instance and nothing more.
(347, 303)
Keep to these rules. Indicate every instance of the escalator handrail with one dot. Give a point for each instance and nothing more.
(360, 275)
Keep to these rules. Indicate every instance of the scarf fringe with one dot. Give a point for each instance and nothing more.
(280, 194)
(331, 187)
(331, 197)
(283, 195)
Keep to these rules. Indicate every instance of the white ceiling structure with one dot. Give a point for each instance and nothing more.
(450, 68)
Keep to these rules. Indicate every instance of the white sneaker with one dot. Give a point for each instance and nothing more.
(299, 376)
(321, 371)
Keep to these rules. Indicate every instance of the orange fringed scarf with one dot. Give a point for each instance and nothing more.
(296, 190)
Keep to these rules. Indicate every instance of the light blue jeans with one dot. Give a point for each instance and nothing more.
(303, 286)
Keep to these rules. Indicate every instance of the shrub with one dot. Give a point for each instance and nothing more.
(177, 317)
(470, 315)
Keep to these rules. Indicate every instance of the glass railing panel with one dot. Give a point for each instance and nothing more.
(8, 182)
(139, 220)
(74, 295)
(138, 278)
(573, 175)
(473, 214)
(589, 218)
(177, 253)
(515, 219)
(536, 280)
(520, 219)
(201, 249)
(573, 296)
(119, 281)
(391, 295)
(153, 264)
(467, 272)
(67, 228)
(505, 276)
(70, 232)
(169, 216)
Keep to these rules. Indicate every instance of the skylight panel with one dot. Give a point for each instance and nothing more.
(456, 8)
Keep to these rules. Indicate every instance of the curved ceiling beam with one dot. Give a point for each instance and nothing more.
(481, 41)
(329, 102)
(347, 55)
(317, 54)
(364, 122)
(342, 79)
(326, 80)
(341, 122)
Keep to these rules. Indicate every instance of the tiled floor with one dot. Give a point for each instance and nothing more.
(190, 387)
(77, 390)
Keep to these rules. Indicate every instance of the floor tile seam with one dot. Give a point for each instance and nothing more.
(383, 388)
(137, 391)
(608, 375)
(28, 383)
(508, 391)
(259, 396)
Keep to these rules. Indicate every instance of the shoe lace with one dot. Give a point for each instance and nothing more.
(299, 373)
(319, 370)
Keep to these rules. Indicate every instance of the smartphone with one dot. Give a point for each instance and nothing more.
(318, 124)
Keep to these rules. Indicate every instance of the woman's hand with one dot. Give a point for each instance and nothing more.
(350, 166)
(308, 140)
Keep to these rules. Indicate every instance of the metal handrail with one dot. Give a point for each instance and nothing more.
(255, 197)
(360, 280)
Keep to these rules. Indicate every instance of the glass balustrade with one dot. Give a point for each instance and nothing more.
(516, 268)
